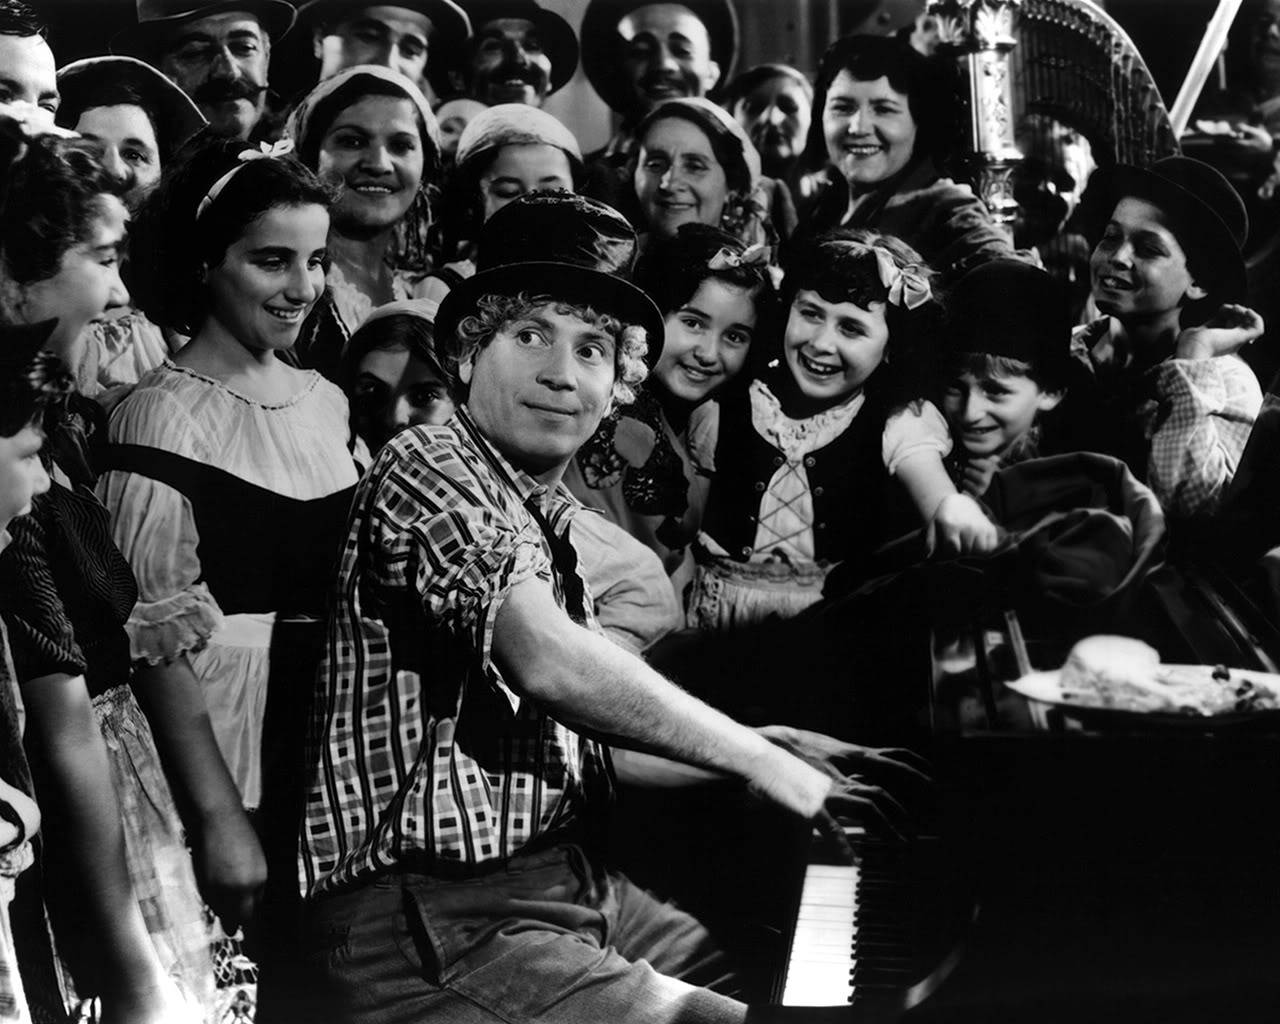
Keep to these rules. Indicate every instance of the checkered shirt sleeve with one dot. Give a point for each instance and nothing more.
(419, 747)
(1203, 413)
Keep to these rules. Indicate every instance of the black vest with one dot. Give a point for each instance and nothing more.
(850, 486)
(259, 551)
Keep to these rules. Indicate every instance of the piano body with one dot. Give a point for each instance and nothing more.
(1079, 874)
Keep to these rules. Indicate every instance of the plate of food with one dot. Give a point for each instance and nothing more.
(1119, 680)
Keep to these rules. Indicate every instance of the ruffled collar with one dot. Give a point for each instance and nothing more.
(797, 438)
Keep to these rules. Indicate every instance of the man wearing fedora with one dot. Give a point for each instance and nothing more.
(520, 52)
(638, 54)
(470, 719)
(217, 52)
(417, 38)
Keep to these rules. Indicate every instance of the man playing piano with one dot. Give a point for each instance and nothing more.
(471, 720)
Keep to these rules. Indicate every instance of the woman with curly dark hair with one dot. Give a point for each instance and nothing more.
(883, 122)
(119, 883)
(231, 478)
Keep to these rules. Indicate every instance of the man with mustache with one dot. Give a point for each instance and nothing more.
(520, 53)
(216, 52)
(638, 54)
(410, 37)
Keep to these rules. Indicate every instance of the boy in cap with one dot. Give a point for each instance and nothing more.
(1008, 364)
(470, 719)
(1172, 396)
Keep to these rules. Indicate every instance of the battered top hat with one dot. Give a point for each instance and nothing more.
(1009, 308)
(80, 84)
(156, 18)
(450, 26)
(554, 33)
(1208, 216)
(567, 246)
(601, 43)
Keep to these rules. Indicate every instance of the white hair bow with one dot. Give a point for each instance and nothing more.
(265, 151)
(907, 286)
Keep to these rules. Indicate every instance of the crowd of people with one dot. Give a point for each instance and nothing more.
(371, 460)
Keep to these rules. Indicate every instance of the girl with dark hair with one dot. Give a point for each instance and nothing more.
(801, 460)
(371, 133)
(138, 118)
(883, 118)
(716, 297)
(231, 478)
(121, 893)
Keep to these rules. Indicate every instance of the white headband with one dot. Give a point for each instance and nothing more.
(265, 151)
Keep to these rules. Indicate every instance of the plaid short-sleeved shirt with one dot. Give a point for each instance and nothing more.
(419, 748)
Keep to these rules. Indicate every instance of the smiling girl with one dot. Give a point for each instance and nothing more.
(370, 133)
(716, 298)
(231, 470)
(802, 460)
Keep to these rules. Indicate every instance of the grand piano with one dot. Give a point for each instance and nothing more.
(1058, 871)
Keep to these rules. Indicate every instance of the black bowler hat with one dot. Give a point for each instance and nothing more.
(567, 246)
(1208, 216)
(1009, 308)
(554, 33)
(601, 43)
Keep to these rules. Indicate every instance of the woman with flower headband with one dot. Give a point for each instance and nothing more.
(231, 473)
(716, 297)
(802, 460)
(370, 132)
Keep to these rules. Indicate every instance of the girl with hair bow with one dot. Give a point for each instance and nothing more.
(802, 461)
(717, 297)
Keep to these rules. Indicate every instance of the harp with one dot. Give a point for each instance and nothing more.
(1060, 59)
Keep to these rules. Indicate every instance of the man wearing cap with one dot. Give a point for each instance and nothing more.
(27, 68)
(417, 38)
(1171, 395)
(520, 53)
(466, 698)
(217, 52)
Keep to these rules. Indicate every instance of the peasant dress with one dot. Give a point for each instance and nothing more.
(65, 595)
(231, 514)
